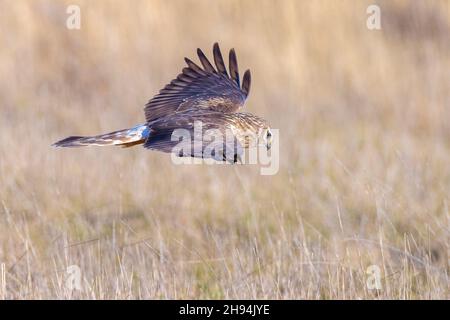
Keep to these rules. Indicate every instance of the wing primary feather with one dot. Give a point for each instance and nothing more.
(194, 66)
(179, 83)
(218, 60)
(168, 90)
(184, 77)
(205, 62)
(169, 98)
(246, 80)
(191, 73)
(234, 70)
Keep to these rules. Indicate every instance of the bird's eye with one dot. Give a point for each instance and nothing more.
(269, 134)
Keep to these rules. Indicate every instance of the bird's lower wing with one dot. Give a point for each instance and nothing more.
(185, 139)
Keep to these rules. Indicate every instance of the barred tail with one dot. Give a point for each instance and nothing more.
(124, 138)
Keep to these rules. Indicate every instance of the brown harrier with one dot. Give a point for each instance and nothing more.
(205, 97)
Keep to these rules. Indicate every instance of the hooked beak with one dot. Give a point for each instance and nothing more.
(268, 145)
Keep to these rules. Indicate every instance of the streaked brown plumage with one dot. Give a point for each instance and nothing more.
(208, 96)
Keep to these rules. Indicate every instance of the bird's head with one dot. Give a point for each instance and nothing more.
(266, 137)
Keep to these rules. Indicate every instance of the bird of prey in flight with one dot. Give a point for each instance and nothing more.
(209, 97)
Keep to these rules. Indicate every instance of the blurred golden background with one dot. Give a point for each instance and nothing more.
(364, 177)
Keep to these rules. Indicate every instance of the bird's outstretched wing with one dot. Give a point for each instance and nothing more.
(196, 133)
(205, 88)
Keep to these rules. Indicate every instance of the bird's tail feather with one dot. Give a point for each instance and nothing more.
(124, 138)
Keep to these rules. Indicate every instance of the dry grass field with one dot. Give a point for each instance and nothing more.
(364, 177)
